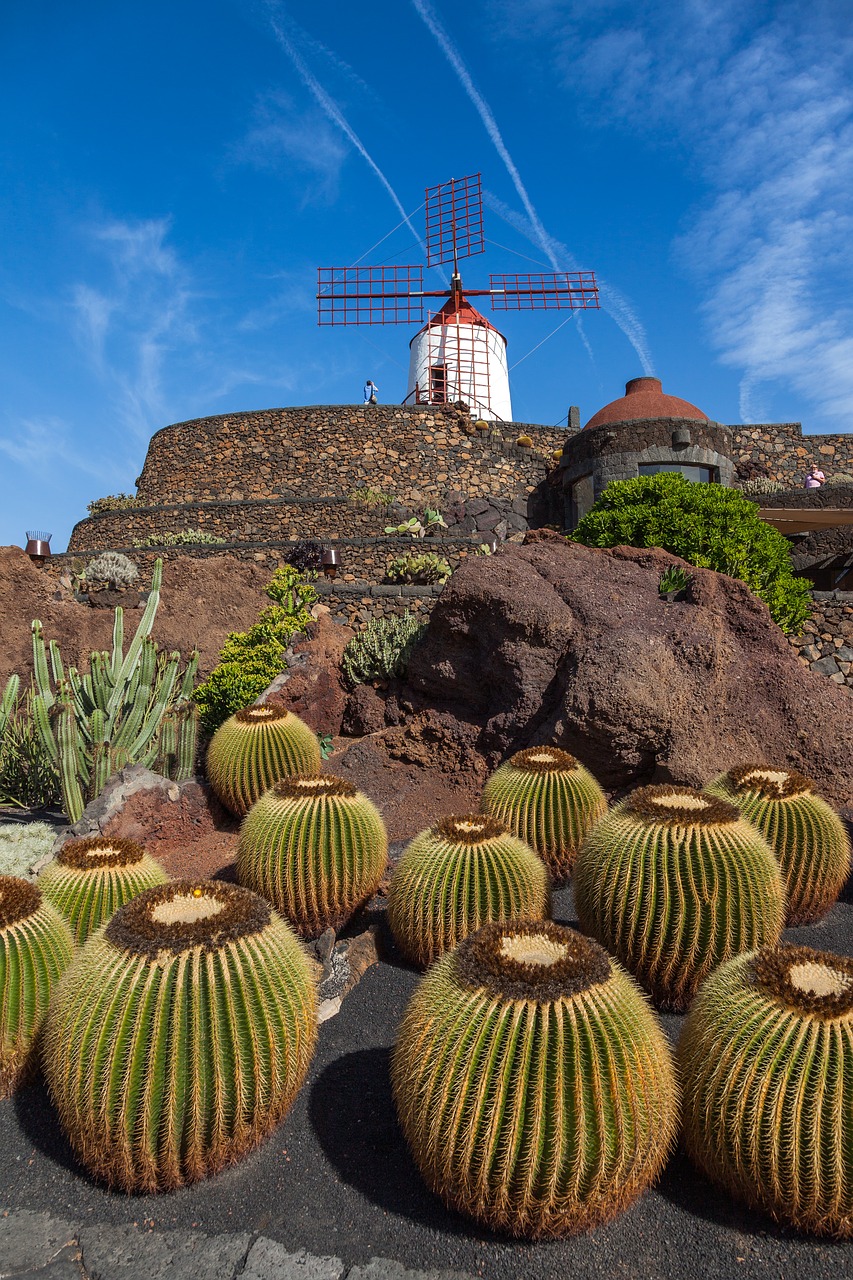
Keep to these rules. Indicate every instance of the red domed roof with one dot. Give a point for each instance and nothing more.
(644, 398)
(457, 310)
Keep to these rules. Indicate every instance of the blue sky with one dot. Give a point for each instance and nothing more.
(171, 175)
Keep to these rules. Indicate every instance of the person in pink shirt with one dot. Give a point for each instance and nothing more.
(815, 478)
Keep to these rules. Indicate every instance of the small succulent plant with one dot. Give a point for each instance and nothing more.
(549, 800)
(463, 872)
(90, 879)
(766, 1057)
(255, 748)
(180, 1035)
(316, 847)
(673, 882)
(36, 947)
(534, 1086)
(806, 835)
(113, 568)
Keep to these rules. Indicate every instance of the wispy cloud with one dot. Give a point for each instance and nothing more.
(758, 102)
(559, 257)
(281, 138)
(289, 37)
(45, 446)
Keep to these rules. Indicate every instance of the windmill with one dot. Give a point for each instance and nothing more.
(458, 355)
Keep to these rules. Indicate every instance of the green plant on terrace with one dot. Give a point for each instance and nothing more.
(186, 537)
(382, 650)
(133, 708)
(250, 660)
(427, 567)
(707, 525)
(113, 502)
(367, 497)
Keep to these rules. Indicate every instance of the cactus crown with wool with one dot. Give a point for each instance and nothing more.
(316, 847)
(533, 1084)
(35, 949)
(90, 879)
(255, 748)
(806, 835)
(766, 1055)
(468, 869)
(673, 881)
(549, 800)
(180, 1035)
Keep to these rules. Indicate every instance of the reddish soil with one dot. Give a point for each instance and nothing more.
(200, 602)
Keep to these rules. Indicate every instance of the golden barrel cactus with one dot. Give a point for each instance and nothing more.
(673, 881)
(90, 879)
(766, 1057)
(36, 948)
(255, 748)
(180, 1035)
(549, 800)
(807, 836)
(316, 847)
(533, 1083)
(465, 871)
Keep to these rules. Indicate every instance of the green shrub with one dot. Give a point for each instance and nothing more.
(367, 497)
(382, 649)
(29, 776)
(113, 502)
(707, 525)
(411, 567)
(113, 568)
(186, 537)
(250, 660)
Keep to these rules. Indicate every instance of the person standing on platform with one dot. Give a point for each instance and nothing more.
(815, 478)
(371, 392)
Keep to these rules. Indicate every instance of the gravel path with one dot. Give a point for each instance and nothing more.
(336, 1181)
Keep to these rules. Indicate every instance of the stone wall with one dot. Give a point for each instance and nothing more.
(826, 645)
(781, 451)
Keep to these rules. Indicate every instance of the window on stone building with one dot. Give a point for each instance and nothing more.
(438, 384)
(699, 475)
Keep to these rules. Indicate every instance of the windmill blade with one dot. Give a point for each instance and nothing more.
(370, 295)
(560, 291)
(454, 220)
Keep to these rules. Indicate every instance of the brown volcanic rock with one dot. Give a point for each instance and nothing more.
(201, 600)
(556, 642)
(312, 687)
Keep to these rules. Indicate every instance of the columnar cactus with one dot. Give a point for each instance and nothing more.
(90, 879)
(35, 949)
(807, 837)
(457, 876)
(674, 881)
(180, 1035)
(549, 800)
(766, 1057)
(316, 847)
(255, 748)
(533, 1083)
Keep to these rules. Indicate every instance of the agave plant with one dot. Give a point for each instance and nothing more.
(316, 847)
(766, 1057)
(180, 1035)
(808, 838)
(674, 881)
(255, 748)
(549, 800)
(533, 1084)
(35, 949)
(90, 879)
(466, 870)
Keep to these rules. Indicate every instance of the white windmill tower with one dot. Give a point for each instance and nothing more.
(458, 355)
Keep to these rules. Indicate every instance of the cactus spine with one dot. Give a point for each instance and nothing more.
(534, 1085)
(549, 800)
(255, 748)
(316, 848)
(90, 879)
(766, 1056)
(35, 949)
(807, 837)
(673, 882)
(464, 872)
(93, 725)
(180, 1035)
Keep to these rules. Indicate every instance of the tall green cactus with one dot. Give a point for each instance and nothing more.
(533, 1083)
(8, 702)
(180, 1035)
(127, 709)
(35, 949)
(766, 1058)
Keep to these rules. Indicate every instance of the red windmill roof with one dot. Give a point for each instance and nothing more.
(458, 310)
(644, 398)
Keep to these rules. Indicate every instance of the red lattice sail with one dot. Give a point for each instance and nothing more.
(454, 220)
